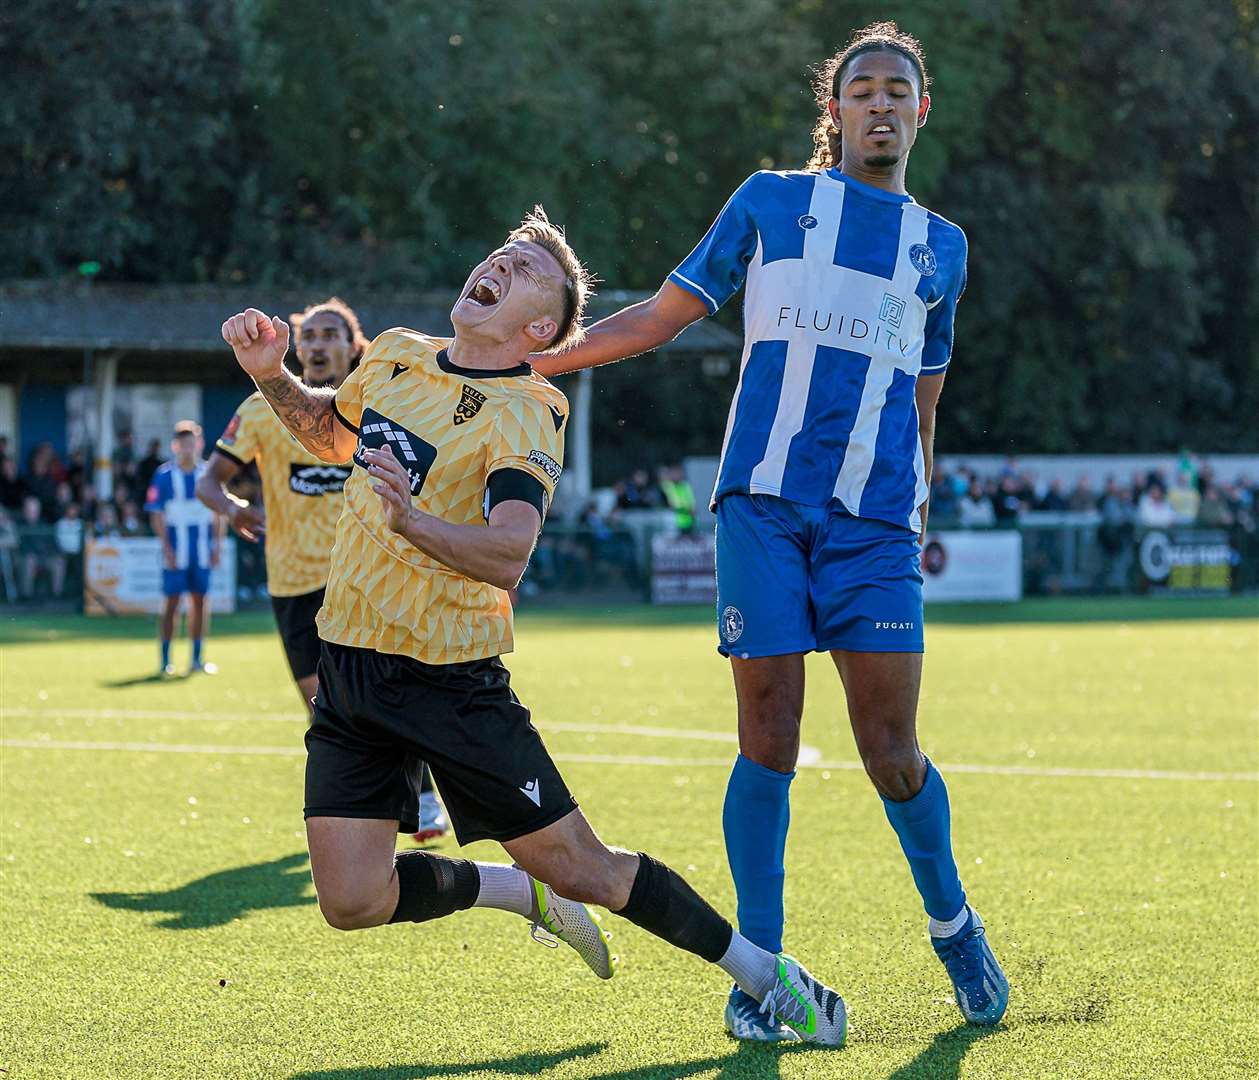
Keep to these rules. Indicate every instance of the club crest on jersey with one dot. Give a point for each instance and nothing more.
(807, 221)
(229, 433)
(470, 403)
(731, 624)
(376, 432)
(317, 479)
(923, 258)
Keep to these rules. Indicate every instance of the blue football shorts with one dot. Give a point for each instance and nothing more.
(793, 578)
(191, 579)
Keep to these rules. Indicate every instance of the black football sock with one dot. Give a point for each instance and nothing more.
(665, 905)
(433, 886)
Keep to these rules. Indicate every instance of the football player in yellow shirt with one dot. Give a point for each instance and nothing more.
(301, 494)
(302, 497)
(457, 446)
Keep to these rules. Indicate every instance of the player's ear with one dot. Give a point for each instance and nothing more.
(832, 107)
(924, 107)
(542, 330)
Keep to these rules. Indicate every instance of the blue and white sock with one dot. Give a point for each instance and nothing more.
(196, 652)
(755, 820)
(922, 825)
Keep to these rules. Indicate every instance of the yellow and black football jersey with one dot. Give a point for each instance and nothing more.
(302, 496)
(452, 428)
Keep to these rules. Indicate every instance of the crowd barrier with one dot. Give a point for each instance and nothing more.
(1046, 555)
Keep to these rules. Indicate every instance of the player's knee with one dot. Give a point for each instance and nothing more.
(348, 912)
(895, 770)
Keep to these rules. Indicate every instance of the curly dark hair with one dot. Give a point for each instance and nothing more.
(877, 37)
(338, 307)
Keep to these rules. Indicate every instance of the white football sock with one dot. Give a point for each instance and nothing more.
(938, 928)
(507, 888)
(750, 966)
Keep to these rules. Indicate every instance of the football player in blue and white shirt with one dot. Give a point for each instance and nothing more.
(821, 499)
(191, 536)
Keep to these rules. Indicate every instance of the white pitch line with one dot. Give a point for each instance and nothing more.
(630, 759)
(809, 755)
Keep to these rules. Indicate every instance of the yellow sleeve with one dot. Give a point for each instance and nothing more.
(240, 438)
(529, 436)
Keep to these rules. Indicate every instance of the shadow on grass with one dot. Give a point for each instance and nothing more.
(219, 898)
(153, 679)
(520, 1065)
(749, 1061)
(942, 1060)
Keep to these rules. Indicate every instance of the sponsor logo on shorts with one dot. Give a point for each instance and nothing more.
(533, 791)
(731, 624)
(893, 625)
(547, 464)
(317, 479)
(469, 405)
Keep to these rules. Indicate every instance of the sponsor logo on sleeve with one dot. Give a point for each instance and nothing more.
(470, 402)
(229, 432)
(547, 464)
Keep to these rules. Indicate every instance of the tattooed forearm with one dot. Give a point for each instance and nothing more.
(306, 412)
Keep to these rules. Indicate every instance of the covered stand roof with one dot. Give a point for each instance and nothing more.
(153, 325)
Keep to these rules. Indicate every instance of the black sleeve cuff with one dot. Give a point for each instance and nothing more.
(342, 420)
(231, 457)
(514, 485)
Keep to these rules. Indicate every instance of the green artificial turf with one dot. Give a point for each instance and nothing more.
(157, 917)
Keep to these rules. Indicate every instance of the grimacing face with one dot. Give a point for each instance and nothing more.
(520, 286)
(324, 349)
(879, 109)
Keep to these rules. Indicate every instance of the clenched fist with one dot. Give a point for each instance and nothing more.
(259, 342)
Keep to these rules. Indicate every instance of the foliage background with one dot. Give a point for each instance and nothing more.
(1101, 157)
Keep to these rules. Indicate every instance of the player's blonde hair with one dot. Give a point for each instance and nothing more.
(539, 229)
(877, 37)
(338, 307)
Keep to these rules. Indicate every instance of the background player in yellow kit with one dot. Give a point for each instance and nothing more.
(302, 499)
(457, 447)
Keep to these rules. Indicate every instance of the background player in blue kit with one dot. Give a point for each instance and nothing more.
(191, 536)
(851, 289)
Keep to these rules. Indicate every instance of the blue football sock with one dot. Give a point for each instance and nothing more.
(755, 819)
(165, 652)
(922, 824)
(196, 651)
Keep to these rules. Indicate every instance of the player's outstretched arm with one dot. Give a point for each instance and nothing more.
(496, 553)
(248, 522)
(927, 395)
(637, 329)
(260, 343)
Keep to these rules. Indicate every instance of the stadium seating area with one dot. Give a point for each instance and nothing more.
(48, 507)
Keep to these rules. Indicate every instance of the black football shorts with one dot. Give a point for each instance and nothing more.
(295, 618)
(380, 717)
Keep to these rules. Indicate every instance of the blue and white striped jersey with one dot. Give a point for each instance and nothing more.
(851, 292)
(188, 521)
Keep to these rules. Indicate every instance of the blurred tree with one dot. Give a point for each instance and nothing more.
(1102, 159)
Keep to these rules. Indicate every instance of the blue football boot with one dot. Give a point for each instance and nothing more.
(979, 984)
(744, 1020)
